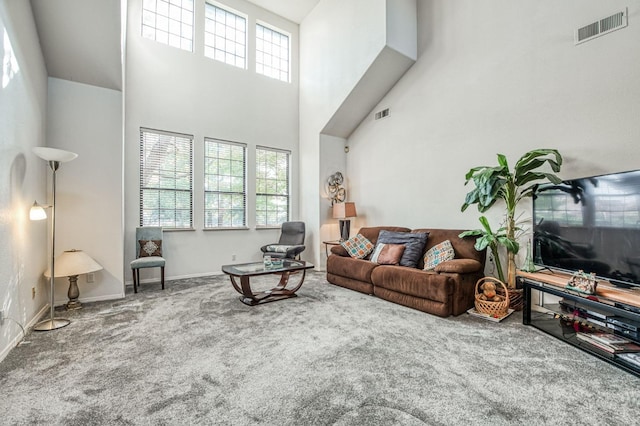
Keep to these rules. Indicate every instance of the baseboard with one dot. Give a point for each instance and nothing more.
(176, 277)
(18, 337)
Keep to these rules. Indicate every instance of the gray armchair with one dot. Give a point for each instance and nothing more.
(291, 242)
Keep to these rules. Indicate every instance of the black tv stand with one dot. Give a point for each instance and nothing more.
(610, 310)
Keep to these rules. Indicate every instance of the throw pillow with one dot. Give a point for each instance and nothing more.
(150, 248)
(358, 246)
(413, 242)
(438, 254)
(387, 254)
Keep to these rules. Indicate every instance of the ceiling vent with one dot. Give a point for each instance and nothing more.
(603, 26)
(382, 114)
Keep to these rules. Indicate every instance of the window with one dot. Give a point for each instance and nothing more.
(224, 184)
(272, 53)
(169, 22)
(225, 36)
(272, 187)
(166, 197)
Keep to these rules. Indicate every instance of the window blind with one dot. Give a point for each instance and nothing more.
(225, 183)
(272, 186)
(166, 183)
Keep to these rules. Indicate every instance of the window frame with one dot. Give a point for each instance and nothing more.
(171, 21)
(279, 31)
(287, 195)
(143, 187)
(244, 184)
(238, 14)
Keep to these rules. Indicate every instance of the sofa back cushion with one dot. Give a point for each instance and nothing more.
(464, 247)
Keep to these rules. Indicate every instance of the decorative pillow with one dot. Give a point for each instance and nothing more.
(438, 254)
(150, 248)
(358, 246)
(413, 242)
(387, 254)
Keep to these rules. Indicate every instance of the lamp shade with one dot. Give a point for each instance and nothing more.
(37, 212)
(73, 262)
(344, 210)
(54, 154)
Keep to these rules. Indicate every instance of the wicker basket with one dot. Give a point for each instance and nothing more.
(495, 309)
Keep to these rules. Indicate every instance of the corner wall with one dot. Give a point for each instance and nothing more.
(497, 77)
(87, 120)
(23, 96)
(353, 53)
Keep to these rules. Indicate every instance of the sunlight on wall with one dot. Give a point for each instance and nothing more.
(9, 62)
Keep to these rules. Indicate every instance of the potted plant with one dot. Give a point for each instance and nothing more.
(493, 183)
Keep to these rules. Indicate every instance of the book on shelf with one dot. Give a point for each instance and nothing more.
(609, 342)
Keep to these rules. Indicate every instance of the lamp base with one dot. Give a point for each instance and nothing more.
(73, 294)
(345, 226)
(51, 324)
(72, 305)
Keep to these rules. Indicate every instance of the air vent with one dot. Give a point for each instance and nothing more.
(382, 114)
(603, 26)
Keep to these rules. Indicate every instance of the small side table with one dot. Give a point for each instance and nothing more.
(330, 243)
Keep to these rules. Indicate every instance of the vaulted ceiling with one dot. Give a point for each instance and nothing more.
(81, 39)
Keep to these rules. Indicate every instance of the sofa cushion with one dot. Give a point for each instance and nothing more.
(414, 282)
(354, 269)
(387, 254)
(414, 245)
(438, 254)
(358, 246)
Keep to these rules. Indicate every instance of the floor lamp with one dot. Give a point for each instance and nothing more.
(53, 157)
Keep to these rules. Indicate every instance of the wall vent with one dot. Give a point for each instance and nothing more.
(382, 114)
(603, 26)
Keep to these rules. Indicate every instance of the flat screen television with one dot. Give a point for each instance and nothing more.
(593, 224)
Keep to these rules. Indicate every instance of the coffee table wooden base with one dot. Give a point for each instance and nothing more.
(251, 298)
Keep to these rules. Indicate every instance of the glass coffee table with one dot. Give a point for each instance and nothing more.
(245, 271)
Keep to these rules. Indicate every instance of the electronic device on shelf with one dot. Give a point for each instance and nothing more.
(590, 224)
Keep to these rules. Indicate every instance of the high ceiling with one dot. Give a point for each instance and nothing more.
(81, 39)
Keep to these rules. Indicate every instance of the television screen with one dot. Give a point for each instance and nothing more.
(591, 224)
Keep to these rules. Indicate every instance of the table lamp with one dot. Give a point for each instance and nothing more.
(343, 211)
(70, 264)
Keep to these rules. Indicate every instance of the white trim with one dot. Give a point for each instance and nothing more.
(14, 342)
(176, 277)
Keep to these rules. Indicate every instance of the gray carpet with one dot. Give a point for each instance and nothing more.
(193, 354)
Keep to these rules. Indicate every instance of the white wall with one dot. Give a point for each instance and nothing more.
(175, 90)
(497, 77)
(346, 66)
(23, 94)
(87, 120)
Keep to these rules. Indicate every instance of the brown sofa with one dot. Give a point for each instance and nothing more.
(447, 290)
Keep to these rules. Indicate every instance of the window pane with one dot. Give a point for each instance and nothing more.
(165, 179)
(225, 184)
(225, 32)
(169, 22)
(272, 53)
(272, 187)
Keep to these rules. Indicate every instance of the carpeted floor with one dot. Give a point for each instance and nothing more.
(193, 354)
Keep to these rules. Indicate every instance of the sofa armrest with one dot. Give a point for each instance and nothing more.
(340, 251)
(459, 266)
